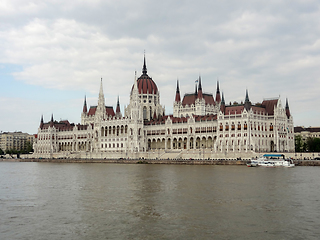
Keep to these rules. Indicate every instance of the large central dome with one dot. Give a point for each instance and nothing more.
(145, 83)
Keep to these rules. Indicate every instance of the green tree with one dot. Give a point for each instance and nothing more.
(29, 147)
(1, 152)
(298, 144)
(313, 144)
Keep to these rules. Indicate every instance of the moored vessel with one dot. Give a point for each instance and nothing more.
(271, 160)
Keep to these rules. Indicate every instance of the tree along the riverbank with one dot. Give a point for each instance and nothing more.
(310, 145)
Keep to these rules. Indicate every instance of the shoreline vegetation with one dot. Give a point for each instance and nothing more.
(156, 161)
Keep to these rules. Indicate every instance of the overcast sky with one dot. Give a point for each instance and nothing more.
(53, 53)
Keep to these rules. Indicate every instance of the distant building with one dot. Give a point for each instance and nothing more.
(15, 140)
(307, 132)
(199, 122)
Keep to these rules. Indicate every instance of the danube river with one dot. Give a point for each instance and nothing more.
(149, 201)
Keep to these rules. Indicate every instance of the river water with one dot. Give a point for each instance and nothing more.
(147, 201)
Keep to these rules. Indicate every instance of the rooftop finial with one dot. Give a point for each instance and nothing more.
(144, 69)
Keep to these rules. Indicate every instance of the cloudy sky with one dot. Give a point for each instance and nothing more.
(53, 53)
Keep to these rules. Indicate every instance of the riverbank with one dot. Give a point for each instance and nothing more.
(153, 161)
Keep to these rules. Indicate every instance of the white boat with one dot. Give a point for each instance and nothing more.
(271, 160)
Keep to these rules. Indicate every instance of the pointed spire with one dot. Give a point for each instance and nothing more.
(144, 68)
(200, 86)
(135, 83)
(101, 88)
(200, 96)
(223, 104)
(101, 108)
(247, 97)
(51, 122)
(178, 99)
(41, 122)
(118, 106)
(287, 108)
(247, 103)
(218, 97)
(85, 109)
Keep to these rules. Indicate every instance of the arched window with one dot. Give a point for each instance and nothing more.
(271, 127)
(144, 112)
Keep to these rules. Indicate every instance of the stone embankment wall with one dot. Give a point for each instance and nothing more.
(171, 155)
(161, 161)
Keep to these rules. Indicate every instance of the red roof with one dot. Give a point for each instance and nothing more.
(258, 110)
(189, 99)
(209, 98)
(92, 110)
(62, 125)
(269, 105)
(210, 117)
(82, 127)
(231, 110)
(109, 111)
(146, 85)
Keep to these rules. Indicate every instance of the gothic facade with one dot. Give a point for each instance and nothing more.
(199, 121)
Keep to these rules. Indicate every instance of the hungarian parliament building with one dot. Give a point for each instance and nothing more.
(202, 126)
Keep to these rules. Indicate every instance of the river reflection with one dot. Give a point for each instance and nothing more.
(114, 201)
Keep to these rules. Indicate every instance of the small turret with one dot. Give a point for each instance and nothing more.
(178, 99)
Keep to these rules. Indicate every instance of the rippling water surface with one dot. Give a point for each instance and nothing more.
(113, 201)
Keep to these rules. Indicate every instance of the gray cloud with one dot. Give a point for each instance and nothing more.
(271, 48)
